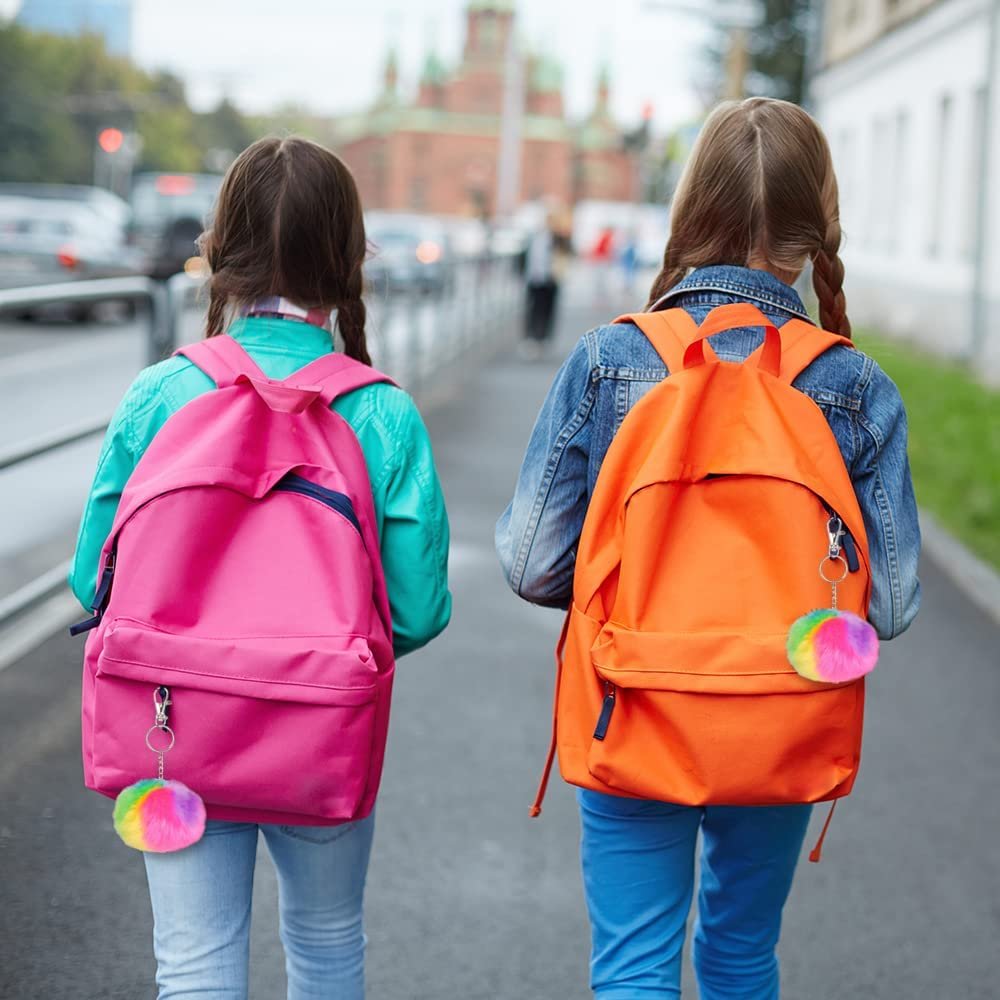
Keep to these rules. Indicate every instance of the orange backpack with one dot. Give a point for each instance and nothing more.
(699, 550)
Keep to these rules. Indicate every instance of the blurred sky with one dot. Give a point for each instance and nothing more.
(328, 54)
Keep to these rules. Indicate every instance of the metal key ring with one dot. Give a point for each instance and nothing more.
(833, 559)
(160, 729)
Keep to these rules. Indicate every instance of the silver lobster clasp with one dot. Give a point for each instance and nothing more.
(834, 532)
(161, 701)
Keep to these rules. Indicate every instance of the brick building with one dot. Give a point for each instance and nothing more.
(439, 153)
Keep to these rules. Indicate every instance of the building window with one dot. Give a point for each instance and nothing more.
(978, 131)
(897, 180)
(845, 171)
(939, 152)
(875, 216)
(489, 32)
(418, 194)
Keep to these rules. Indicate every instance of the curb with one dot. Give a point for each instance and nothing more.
(979, 582)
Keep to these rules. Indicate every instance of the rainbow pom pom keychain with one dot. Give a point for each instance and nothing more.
(828, 644)
(155, 814)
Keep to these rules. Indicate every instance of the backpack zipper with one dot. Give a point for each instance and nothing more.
(604, 719)
(100, 599)
(846, 540)
(339, 502)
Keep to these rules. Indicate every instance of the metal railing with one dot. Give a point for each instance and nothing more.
(160, 297)
(436, 333)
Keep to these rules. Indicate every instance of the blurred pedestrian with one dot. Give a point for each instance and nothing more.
(545, 267)
(283, 276)
(628, 257)
(602, 258)
(719, 729)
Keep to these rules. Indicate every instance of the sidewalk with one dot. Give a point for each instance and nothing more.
(469, 899)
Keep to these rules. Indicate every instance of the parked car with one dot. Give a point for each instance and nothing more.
(46, 240)
(106, 204)
(410, 253)
(169, 212)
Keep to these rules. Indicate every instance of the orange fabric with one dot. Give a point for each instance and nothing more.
(816, 854)
(536, 807)
(700, 548)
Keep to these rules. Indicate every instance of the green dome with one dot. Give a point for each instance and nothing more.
(547, 75)
(434, 70)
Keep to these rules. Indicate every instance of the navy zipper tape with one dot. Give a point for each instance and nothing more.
(339, 502)
(100, 598)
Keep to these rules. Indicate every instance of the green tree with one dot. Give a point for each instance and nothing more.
(222, 133)
(42, 138)
(779, 48)
(57, 93)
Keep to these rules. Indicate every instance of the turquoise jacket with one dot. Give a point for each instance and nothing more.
(409, 505)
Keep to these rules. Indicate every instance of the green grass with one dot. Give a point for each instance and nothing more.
(954, 441)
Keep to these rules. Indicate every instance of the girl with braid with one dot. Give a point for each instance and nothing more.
(755, 207)
(285, 251)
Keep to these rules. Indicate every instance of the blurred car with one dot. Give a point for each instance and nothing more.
(169, 212)
(410, 253)
(103, 202)
(45, 240)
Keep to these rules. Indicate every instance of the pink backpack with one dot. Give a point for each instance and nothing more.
(243, 576)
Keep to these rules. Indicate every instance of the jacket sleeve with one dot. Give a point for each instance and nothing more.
(415, 538)
(117, 461)
(884, 489)
(537, 535)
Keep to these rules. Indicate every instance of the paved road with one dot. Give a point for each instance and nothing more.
(469, 898)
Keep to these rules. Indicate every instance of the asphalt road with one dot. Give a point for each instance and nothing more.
(470, 899)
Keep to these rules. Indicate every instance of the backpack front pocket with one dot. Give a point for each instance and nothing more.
(719, 719)
(277, 723)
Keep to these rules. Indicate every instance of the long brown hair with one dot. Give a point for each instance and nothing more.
(288, 222)
(759, 187)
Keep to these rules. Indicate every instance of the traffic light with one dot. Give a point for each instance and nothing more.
(110, 139)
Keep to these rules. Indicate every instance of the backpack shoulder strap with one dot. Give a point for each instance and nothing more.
(336, 375)
(670, 331)
(801, 344)
(222, 359)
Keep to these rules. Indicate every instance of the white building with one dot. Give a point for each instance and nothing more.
(904, 91)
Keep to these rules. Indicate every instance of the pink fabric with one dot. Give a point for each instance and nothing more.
(263, 611)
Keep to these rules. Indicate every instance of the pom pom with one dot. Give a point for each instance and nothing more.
(157, 815)
(832, 646)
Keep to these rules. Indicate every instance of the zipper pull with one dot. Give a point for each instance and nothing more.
(103, 589)
(604, 719)
(851, 553)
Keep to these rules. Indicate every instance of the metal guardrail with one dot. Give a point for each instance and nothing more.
(486, 292)
(160, 296)
(52, 441)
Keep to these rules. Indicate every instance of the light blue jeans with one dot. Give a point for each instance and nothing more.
(201, 900)
(638, 875)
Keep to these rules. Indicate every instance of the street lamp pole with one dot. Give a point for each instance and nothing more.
(509, 153)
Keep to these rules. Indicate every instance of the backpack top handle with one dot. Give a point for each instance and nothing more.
(728, 317)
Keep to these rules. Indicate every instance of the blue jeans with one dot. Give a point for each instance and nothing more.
(201, 900)
(638, 875)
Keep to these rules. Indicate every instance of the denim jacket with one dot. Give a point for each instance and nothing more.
(612, 367)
